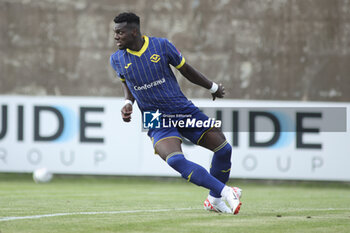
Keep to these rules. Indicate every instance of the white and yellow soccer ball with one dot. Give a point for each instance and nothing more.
(42, 175)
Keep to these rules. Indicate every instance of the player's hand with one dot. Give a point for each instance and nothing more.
(126, 112)
(219, 93)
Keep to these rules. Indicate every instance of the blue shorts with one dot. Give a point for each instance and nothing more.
(193, 134)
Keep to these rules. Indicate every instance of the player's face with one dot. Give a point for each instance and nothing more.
(123, 35)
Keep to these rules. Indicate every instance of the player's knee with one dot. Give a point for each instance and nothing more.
(224, 150)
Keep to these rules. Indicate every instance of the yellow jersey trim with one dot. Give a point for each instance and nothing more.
(142, 50)
(122, 79)
(181, 63)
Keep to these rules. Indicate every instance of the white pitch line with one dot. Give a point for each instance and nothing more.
(141, 211)
(91, 213)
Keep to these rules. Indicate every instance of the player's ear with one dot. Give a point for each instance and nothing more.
(134, 31)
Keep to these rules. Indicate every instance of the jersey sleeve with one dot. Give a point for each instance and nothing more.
(175, 57)
(114, 65)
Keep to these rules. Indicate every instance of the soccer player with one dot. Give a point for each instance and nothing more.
(143, 66)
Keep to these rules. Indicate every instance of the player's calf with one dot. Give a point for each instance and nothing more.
(193, 172)
(221, 164)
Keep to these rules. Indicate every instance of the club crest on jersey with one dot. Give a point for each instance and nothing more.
(155, 58)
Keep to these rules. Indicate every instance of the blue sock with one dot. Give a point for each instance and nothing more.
(221, 165)
(194, 173)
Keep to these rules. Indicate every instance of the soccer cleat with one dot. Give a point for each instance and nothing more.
(219, 207)
(231, 195)
(238, 191)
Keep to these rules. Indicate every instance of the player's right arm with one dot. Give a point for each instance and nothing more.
(126, 110)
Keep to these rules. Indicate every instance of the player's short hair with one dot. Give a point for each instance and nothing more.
(127, 17)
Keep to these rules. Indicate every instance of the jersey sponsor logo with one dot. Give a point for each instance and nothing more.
(149, 85)
(127, 66)
(155, 58)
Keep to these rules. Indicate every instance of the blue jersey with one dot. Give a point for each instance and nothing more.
(148, 75)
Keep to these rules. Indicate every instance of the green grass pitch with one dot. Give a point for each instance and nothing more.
(121, 204)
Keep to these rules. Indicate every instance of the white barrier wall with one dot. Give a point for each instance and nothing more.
(86, 135)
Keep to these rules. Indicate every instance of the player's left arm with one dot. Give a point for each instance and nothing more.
(198, 78)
